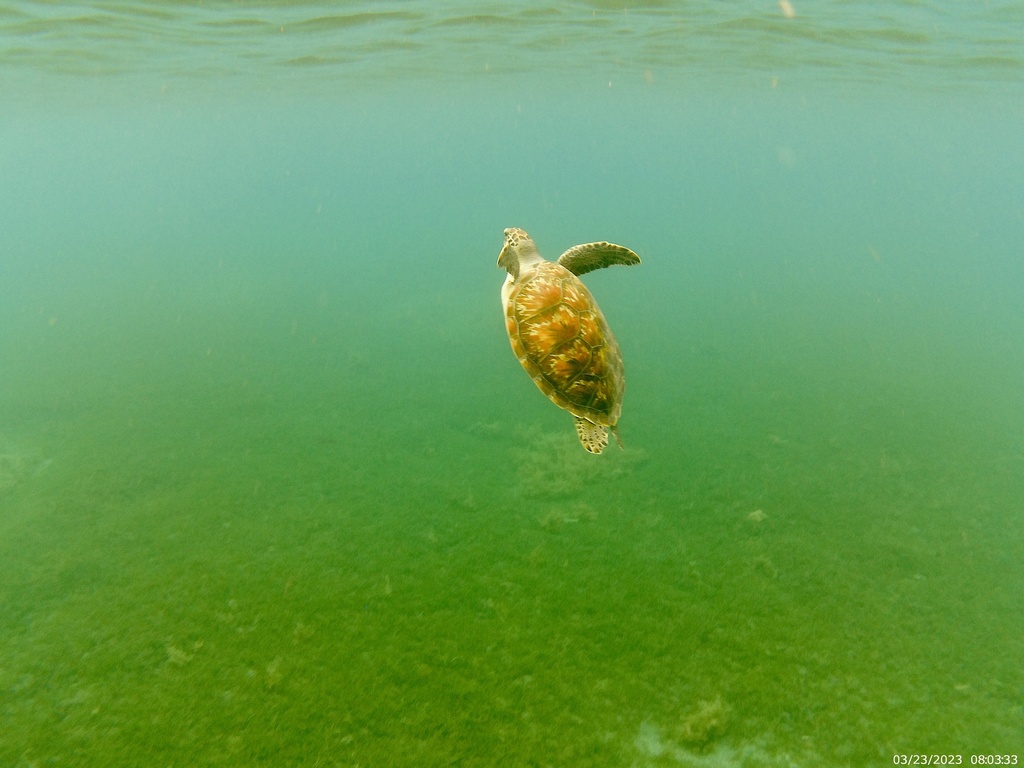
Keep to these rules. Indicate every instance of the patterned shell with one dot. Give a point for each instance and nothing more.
(562, 340)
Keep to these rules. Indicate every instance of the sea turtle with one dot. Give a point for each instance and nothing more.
(559, 334)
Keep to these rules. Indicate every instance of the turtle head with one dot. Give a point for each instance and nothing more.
(519, 250)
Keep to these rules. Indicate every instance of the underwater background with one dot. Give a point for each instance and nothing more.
(274, 490)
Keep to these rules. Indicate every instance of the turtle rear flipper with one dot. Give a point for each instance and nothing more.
(593, 437)
(587, 257)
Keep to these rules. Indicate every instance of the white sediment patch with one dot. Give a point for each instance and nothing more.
(654, 748)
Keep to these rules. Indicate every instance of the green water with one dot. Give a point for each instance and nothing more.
(275, 491)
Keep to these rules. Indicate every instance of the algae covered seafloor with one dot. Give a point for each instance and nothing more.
(241, 536)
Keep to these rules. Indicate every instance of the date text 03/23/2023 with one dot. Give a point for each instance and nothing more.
(912, 758)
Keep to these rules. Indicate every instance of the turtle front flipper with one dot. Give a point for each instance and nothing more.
(593, 437)
(587, 257)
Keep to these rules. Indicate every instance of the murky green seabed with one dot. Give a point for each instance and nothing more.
(274, 554)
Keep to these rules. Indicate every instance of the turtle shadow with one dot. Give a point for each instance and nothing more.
(553, 465)
(19, 464)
